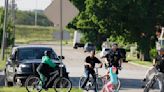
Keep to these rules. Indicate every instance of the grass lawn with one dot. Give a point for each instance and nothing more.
(3, 62)
(2, 65)
(26, 34)
(137, 61)
(22, 89)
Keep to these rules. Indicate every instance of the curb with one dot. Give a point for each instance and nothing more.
(139, 65)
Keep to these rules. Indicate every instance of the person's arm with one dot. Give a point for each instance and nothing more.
(86, 63)
(154, 62)
(99, 62)
(120, 60)
(48, 61)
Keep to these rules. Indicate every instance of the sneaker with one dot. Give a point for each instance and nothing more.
(38, 87)
(45, 88)
(143, 86)
(144, 80)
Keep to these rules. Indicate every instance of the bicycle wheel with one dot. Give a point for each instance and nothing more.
(118, 85)
(99, 83)
(32, 84)
(150, 84)
(62, 84)
(89, 84)
(81, 81)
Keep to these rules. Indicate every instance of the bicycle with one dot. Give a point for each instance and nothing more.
(106, 78)
(149, 85)
(90, 84)
(59, 82)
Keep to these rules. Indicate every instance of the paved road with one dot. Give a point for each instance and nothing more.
(130, 75)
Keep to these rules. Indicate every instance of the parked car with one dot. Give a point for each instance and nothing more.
(104, 52)
(89, 47)
(123, 54)
(23, 62)
(76, 40)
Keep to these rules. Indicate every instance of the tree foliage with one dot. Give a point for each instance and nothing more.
(9, 31)
(134, 20)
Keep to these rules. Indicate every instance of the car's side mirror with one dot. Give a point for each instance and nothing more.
(61, 57)
(12, 58)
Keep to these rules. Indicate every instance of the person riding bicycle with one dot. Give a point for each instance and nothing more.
(157, 69)
(110, 86)
(45, 67)
(114, 57)
(89, 65)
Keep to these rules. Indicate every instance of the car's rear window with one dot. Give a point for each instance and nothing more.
(90, 45)
(34, 53)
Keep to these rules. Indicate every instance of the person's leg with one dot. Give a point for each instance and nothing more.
(109, 87)
(94, 78)
(86, 79)
(42, 78)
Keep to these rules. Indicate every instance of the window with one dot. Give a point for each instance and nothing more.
(34, 53)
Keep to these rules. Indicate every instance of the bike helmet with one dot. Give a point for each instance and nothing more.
(47, 53)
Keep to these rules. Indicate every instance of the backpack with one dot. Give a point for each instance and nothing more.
(44, 69)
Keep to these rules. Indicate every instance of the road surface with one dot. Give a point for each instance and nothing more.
(130, 76)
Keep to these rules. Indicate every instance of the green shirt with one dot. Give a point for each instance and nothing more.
(48, 61)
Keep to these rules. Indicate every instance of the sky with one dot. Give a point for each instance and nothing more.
(30, 4)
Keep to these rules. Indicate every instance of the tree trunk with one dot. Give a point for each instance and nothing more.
(144, 47)
(145, 56)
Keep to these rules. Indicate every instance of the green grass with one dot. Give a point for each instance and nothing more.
(2, 65)
(27, 34)
(137, 61)
(3, 62)
(22, 89)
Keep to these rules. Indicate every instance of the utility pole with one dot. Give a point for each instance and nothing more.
(4, 31)
(61, 27)
(13, 19)
(36, 13)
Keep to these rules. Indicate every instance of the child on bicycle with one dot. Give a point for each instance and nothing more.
(89, 65)
(112, 84)
(45, 68)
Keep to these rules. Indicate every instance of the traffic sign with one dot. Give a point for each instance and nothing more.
(69, 11)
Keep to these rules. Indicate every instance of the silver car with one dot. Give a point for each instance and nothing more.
(89, 47)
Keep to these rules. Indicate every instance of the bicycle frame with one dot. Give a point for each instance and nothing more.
(55, 73)
(96, 73)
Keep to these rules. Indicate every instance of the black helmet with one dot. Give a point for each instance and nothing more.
(47, 53)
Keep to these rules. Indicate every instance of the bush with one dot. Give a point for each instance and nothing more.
(153, 52)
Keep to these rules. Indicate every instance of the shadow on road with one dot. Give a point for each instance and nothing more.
(131, 83)
(125, 83)
(75, 81)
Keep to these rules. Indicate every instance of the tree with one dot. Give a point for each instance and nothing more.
(8, 31)
(132, 19)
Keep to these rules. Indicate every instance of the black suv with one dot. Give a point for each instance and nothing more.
(23, 62)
